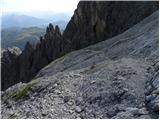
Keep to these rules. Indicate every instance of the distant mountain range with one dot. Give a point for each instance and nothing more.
(19, 36)
(16, 20)
(21, 21)
(18, 29)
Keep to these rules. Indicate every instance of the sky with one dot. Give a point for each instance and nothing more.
(35, 6)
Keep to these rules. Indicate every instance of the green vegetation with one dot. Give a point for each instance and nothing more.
(13, 116)
(19, 36)
(23, 92)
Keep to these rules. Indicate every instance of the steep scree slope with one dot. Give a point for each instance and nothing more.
(116, 78)
(92, 22)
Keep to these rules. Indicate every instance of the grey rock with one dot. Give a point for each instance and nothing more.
(149, 98)
(78, 109)
(112, 112)
(44, 113)
(154, 104)
(66, 98)
(123, 115)
(143, 111)
(70, 103)
(133, 111)
(79, 100)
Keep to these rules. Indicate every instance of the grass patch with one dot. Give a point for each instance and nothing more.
(13, 116)
(22, 92)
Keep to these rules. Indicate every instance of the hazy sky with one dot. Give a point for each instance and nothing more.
(56, 6)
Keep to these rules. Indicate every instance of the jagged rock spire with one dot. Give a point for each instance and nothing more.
(57, 30)
(50, 28)
(28, 46)
(41, 39)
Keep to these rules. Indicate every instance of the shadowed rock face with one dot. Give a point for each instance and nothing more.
(9, 62)
(92, 22)
(32, 60)
(96, 21)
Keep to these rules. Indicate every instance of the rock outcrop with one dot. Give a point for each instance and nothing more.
(116, 78)
(96, 21)
(33, 59)
(9, 67)
(101, 21)
(25, 62)
(152, 89)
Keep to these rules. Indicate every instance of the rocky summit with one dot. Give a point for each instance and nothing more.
(115, 78)
(91, 23)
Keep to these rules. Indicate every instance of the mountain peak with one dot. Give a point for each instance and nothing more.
(28, 46)
(50, 28)
(57, 30)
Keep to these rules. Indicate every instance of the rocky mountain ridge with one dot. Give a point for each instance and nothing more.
(116, 78)
(101, 21)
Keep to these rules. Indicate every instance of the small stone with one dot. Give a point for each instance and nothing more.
(149, 98)
(156, 108)
(57, 91)
(147, 92)
(70, 111)
(9, 106)
(75, 84)
(133, 111)
(112, 112)
(66, 98)
(78, 109)
(154, 104)
(65, 109)
(121, 78)
(92, 82)
(44, 113)
(32, 98)
(78, 117)
(123, 115)
(125, 89)
(70, 103)
(55, 85)
(156, 91)
(143, 111)
(79, 100)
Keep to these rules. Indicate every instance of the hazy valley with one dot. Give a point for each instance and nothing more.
(24, 29)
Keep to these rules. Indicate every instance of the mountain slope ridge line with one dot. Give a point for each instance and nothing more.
(83, 29)
(101, 87)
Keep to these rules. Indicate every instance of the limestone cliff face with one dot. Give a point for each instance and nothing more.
(92, 22)
(96, 21)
